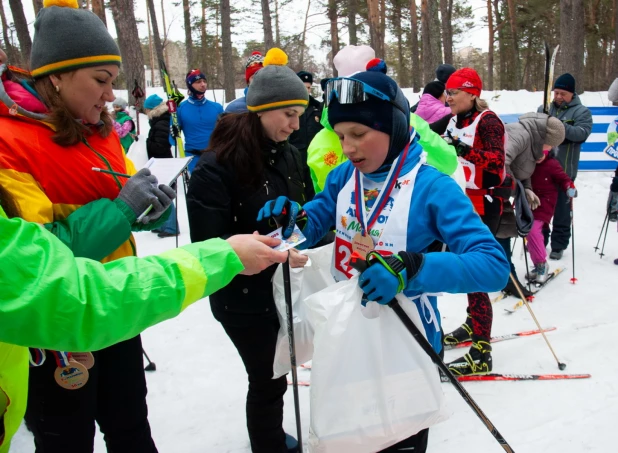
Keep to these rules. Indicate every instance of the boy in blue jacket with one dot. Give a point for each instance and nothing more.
(385, 199)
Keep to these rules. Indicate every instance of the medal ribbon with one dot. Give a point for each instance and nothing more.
(37, 357)
(391, 179)
(62, 358)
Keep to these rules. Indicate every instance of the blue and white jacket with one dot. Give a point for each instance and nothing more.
(439, 211)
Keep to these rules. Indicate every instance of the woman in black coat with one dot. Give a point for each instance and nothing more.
(158, 141)
(247, 163)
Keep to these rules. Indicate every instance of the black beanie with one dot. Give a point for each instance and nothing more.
(565, 82)
(444, 71)
(436, 89)
(376, 113)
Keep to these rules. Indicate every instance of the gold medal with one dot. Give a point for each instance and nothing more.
(85, 358)
(362, 244)
(71, 377)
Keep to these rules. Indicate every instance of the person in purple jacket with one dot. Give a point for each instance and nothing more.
(432, 105)
(547, 180)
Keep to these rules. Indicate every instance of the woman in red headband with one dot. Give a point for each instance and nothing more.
(479, 138)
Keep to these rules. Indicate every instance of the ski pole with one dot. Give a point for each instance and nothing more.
(561, 365)
(424, 344)
(287, 289)
(137, 93)
(360, 265)
(151, 365)
(573, 279)
(602, 254)
(603, 227)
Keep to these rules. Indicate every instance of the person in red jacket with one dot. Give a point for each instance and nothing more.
(478, 136)
(547, 180)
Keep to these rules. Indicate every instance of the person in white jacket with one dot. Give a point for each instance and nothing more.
(612, 93)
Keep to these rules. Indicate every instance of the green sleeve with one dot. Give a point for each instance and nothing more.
(52, 300)
(440, 155)
(93, 231)
(153, 225)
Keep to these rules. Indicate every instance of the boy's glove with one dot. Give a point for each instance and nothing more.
(284, 211)
(388, 276)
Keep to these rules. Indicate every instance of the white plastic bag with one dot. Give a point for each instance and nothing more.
(312, 278)
(371, 383)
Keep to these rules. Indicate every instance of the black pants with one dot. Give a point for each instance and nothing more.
(506, 245)
(115, 396)
(256, 346)
(415, 444)
(561, 224)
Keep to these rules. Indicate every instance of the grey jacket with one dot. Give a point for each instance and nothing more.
(577, 121)
(612, 93)
(524, 145)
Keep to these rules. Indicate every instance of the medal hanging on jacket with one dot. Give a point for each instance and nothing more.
(69, 374)
(85, 358)
(363, 243)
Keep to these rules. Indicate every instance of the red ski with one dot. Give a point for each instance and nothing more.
(510, 336)
(521, 377)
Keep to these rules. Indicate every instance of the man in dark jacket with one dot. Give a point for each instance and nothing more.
(309, 122)
(577, 121)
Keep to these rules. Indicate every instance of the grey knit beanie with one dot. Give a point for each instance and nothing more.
(119, 102)
(555, 132)
(276, 86)
(68, 38)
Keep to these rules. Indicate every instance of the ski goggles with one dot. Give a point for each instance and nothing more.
(350, 91)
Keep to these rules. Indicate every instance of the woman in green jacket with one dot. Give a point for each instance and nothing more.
(101, 304)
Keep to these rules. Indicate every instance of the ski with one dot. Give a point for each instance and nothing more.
(517, 377)
(499, 338)
(550, 64)
(539, 287)
(172, 107)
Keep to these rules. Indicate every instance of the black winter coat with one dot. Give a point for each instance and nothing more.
(309, 126)
(157, 143)
(219, 205)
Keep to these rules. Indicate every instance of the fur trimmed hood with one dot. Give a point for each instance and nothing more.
(158, 111)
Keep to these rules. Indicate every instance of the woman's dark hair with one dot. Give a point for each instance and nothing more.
(238, 140)
(8, 204)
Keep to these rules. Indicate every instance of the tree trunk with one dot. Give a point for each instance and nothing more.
(615, 61)
(446, 10)
(266, 22)
(203, 34)
(501, 46)
(11, 52)
(228, 56)
(21, 27)
(186, 6)
(302, 44)
(277, 37)
(98, 7)
(382, 27)
(129, 43)
(37, 5)
(334, 33)
(416, 72)
(150, 48)
(572, 40)
(490, 52)
(375, 32)
(432, 55)
(352, 7)
(402, 71)
(514, 51)
(155, 30)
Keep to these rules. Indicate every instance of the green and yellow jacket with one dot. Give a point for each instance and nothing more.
(325, 153)
(52, 300)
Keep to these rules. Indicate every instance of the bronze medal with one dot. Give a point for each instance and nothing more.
(71, 377)
(362, 244)
(85, 358)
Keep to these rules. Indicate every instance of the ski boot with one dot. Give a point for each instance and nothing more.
(542, 272)
(511, 290)
(532, 275)
(556, 254)
(461, 334)
(477, 361)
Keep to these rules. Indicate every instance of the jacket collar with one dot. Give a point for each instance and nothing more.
(30, 106)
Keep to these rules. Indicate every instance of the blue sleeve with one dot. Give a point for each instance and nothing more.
(322, 210)
(475, 262)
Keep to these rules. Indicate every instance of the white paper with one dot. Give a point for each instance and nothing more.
(167, 170)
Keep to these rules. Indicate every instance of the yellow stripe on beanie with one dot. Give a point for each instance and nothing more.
(76, 63)
(277, 105)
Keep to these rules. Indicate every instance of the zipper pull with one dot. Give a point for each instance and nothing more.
(266, 186)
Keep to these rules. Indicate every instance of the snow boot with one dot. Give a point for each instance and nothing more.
(461, 334)
(556, 254)
(291, 443)
(511, 290)
(542, 272)
(477, 361)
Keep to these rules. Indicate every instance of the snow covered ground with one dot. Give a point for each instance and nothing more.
(196, 397)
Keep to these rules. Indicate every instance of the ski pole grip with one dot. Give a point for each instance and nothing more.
(358, 262)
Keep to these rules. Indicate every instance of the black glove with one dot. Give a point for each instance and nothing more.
(460, 147)
(614, 186)
(174, 131)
